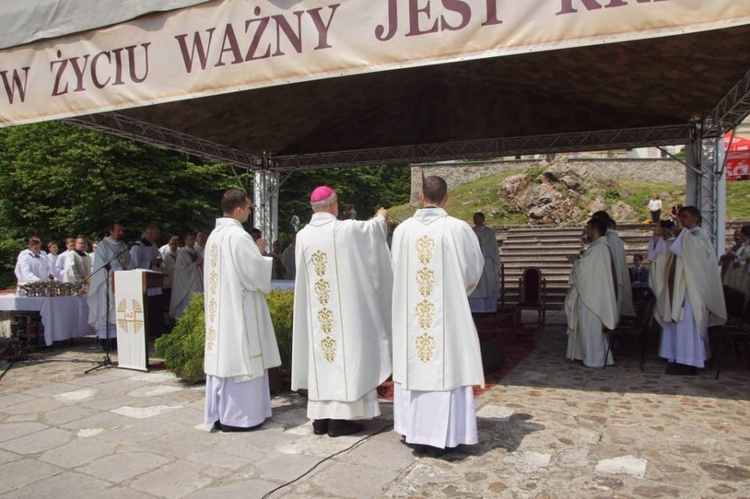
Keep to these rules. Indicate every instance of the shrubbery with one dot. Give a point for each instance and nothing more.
(182, 348)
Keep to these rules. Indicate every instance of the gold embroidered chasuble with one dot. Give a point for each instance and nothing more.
(437, 263)
(342, 330)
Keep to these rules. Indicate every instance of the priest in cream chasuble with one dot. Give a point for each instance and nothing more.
(694, 299)
(240, 341)
(437, 263)
(341, 339)
(591, 303)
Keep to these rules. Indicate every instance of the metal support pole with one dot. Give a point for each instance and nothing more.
(266, 198)
(706, 188)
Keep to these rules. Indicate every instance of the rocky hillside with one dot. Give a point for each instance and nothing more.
(562, 193)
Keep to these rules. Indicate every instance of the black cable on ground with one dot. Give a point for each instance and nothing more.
(10, 364)
(386, 427)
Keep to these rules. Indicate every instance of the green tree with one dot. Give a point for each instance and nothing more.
(58, 180)
(368, 188)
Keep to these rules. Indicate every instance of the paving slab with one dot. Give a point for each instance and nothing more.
(549, 428)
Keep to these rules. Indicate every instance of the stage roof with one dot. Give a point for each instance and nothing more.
(645, 74)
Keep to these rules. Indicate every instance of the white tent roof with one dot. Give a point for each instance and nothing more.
(25, 21)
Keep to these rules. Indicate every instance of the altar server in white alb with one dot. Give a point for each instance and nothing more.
(32, 264)
(437, 262)
(188, 277)
(484, 298)
(111, 250)
(591, 302)
(240, 340)
(341, 341)
(693, 300)
(78, 263)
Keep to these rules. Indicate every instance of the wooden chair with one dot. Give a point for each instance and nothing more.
(532, 295)
(636, 327)
(731, 335)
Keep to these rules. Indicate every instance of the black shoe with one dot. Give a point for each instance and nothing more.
(681, 369)
(217, 425)
(231, 429)
(320, 426)
(341, 427)
(419, 449)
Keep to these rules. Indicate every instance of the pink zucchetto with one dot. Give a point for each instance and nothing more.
(320, 193)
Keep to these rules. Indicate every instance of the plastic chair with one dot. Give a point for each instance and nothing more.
(532, 295)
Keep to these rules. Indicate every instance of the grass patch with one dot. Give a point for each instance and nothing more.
(482, 195)
(465, 200)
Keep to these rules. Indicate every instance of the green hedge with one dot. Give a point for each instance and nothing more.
(182, 348)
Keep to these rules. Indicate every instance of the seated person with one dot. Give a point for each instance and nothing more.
(639, 278)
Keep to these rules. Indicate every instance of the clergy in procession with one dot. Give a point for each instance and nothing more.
(200, 243)
(591, 302)
(693, 299)
(484, 297)
(112, 251)
(78, 263)
(625, 305)
(240, 341)
(188, 277)
(437, 263)
(341, 339)
(32, 264)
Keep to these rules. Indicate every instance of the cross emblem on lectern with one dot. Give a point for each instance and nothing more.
(127, 316)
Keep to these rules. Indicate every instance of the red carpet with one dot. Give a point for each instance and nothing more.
(516, 346)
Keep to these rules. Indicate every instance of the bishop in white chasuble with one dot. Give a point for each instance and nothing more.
(341, 340)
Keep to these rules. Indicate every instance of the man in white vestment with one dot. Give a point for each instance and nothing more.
(200, 243)
(52, 253)
(288, 259)
(624, 288)
(145, 254)
(32, 264)
(188, 277)
(78, 263)
(169, 259)
(437, 263)
(341, 341)
(591, 302)
(240, 340)
(484, 297)
(70, 245)
(111, 251)
(692, 299)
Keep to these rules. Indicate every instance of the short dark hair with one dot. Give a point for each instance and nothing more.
(434, 189)
(34, 240)
(666, 224)
(745, 230)
(233, 199)
(601, 214)
(600, 224)
(693, 211)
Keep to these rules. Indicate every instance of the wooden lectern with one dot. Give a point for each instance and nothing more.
(132, 315)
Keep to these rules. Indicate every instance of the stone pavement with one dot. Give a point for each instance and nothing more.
(550, 428)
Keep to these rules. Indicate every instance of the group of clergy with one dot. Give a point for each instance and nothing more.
(361, 314)
(71, 266)
(684, 279)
